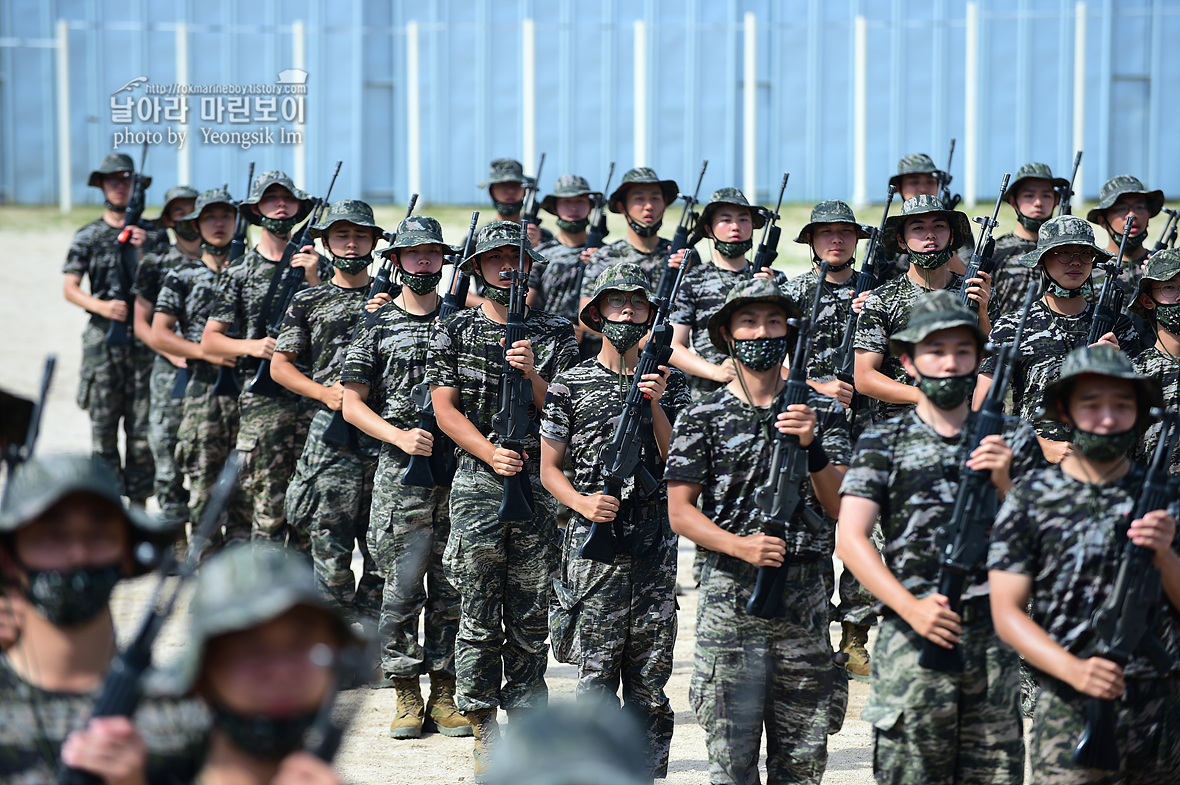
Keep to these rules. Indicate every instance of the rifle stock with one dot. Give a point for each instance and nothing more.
(420, 469)
(1110, 298)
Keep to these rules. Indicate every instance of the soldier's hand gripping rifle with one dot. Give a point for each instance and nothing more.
(680, 239)
(944, 183)
(1122, 625)
(226, 383)
(1065, 194)
(866, 280)
(514, 421)
(779, 501)
(1109, 307)
(532, 206)
(293, 278)
(117, 334)
(620, 457)
(1168, 235)
(598, 231)
(121, 690)
(27, 422)
(339, 432)
(768, 247)
(456, 296)
(963, 539)
(982, 256)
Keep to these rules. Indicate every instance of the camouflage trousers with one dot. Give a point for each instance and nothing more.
(751, 673)
(408, 531)
(932, 727)
(502, 571)
(271, 439)
(208, 431)
(164, 418)
(617, 623)
(856, 602)
(1147, 733)
(114, 387)
(328, 504)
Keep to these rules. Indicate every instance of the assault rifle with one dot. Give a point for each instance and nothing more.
(779, 502)
(1168, 235)
(121, 691)
(226, 383)
(963, 538)
(595, 237)
(680, 238)
(531, 206)
(382, 281)
(237, 246)
(620, 457)
(28, 413)
(866, 280)
(292, 280)
(514, 421)
(981, 257)
(117, 334)
(1122, 624)
(456, 296)
(339, 432)
(944, 183)
(1110, 298)
(1065, 193)
(768, 247)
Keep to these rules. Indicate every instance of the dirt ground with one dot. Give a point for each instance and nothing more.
(35, 320)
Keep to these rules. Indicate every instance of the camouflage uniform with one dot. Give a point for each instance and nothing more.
(1110, 192)
(750, 672)
(1154, 363)
(557, 283)
(502, 569)
(408, 525)
(621, 616)
(1011, 279)
(164, 411)
(507, 170)
(1068, 537)
(621, 251)
(331, 491)
(933, 726)
(114, 383)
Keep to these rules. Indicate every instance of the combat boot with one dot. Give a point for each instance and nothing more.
(487, 736)
(852, 643)
(441, 709)
(410, 710)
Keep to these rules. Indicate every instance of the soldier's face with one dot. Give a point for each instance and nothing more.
(507, 192)
(501, 260)
(349, 240)
(1069, 265)
(732, 224)
(216, 224)
(944, 353)
(912, 185)
(1036, 198)
(1163, 292)
(80, 530)
(178, 209)
(926, 233)
(275, 669)
(572, 208)
(421, 259)
(1136, 205)
(1101, 404)
(116, 188)
(615, 306)
(644, 203)
(278, 202)
(834, 243)
(758, 320)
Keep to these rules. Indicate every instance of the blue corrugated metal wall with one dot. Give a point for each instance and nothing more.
(471, 96)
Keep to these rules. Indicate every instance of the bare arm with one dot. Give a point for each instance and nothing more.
(110, 309)
(871, 382)
(593, 507)
(283, 371)
(168, 343)
(215, 341)
(454, 424)
(761, 550)
(357, 412)
(684, 358)
(983, 383)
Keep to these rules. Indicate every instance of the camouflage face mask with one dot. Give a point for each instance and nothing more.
(947, 392)
(501, 295)
(351, 265)
(932, 260)
(279, 226)
(1057, 290)
(1134, 242)
(186, 230)
(643, 230)
(264, 737)
(573, 227)
(761, 354)
(67, 598)
(1031, 224)
(1168, 316)
(421, 283)
(216, 250)
(736, 250)
(1104, 447)
(623, 335)
(508, 208)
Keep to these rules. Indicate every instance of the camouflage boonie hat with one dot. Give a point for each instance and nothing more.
(920, 205)
(642, 175)
(353, 211)
(40, 483)
(1100, 360)
(111, 163)
(830, 212)
(495, 235)
(1121, 184)
(249, 206)
(1034, 171)
(619, 277)
(725, 196)
(419, 230)
(753, 290)
(245, 586)
(567, 187)
(914, 163)
(212, 196)
(1161, 266)
(1063, 230)
(934, 311)
(171, 195)
(505, 170)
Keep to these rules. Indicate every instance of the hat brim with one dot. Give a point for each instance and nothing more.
(705, 219)
(468, 264)
(895, 180)
(523, 180)
(319, 229)
(1033, 258)
(95, 180)
(1148, 392)
(900, 341)
(804, 237)
(726, 312)
(549, 203)
(596, 324)
(196, 214)
(960, 228)
(1135, 307)
(415, 239)
(1014, 186)
(670, 190)
(1155, 203)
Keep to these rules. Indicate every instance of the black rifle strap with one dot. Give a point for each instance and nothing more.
(264, 312)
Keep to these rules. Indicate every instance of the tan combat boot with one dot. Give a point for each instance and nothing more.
(441, 709)
(487, 736)
(852, 643)
(410, 710)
